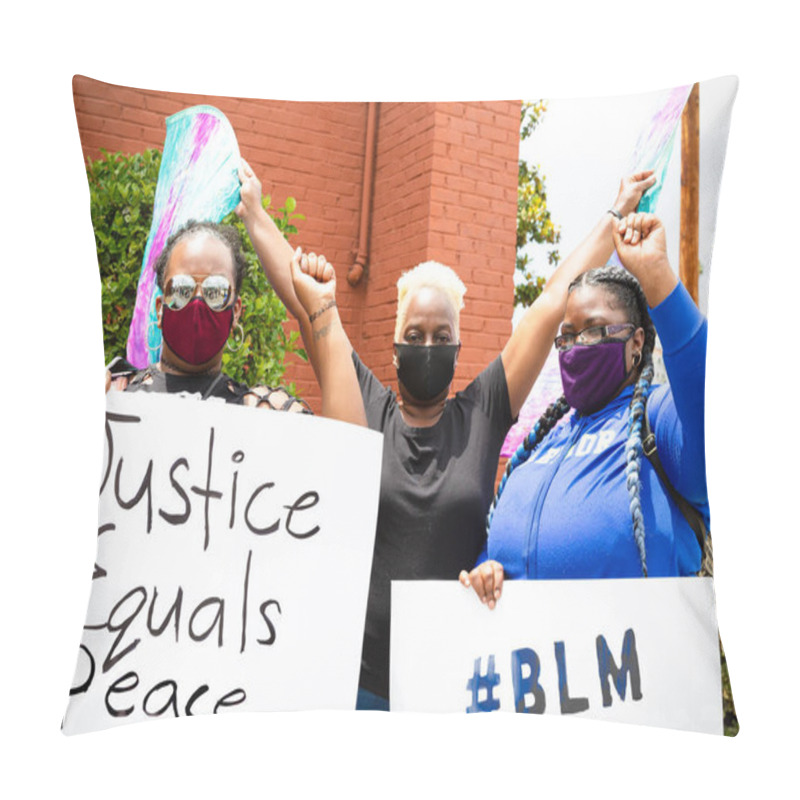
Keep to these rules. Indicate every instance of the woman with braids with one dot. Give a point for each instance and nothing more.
(440, 452)
(581, 500)
(200, 272)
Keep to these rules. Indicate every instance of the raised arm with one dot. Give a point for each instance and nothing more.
(527, 349)
(274, 253)
(314, 286)
(306, 285)
(677, 416)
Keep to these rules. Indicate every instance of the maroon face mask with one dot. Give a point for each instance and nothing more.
(196, 333)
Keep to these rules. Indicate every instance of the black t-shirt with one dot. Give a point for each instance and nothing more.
(436, 486)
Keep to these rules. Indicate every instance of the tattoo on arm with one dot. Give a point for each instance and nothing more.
(322, 332)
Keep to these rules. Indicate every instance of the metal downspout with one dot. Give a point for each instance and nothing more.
(359, 267)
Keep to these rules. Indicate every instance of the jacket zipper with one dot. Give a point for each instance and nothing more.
(536, 522)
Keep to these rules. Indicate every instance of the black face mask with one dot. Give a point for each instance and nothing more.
(426, 371)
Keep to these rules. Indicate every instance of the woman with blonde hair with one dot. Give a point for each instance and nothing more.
(440, 452)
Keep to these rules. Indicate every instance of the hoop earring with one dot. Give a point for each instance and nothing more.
(154, 350)
(240, 330)
(637, 358)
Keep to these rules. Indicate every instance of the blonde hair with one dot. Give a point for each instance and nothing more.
(433, 275)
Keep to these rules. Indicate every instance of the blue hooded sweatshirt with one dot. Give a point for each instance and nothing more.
(565, 512)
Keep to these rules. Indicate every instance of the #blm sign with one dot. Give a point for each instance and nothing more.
(644, 651)
(223, 534)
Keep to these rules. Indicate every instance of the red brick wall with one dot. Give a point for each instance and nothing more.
(445, 189)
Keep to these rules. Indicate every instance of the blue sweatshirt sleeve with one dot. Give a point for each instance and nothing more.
(677, 412)
(483, 555)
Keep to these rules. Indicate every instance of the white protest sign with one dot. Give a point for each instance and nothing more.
(234, 555)
(639, 650)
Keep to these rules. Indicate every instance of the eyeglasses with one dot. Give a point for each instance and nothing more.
(180, 289)
(593, 335)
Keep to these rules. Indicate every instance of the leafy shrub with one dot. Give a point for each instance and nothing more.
(122, 191)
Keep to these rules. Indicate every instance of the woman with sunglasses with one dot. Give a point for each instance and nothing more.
(440, 452)
(200, 272)
(580, 500)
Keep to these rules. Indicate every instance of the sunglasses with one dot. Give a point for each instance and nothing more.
(180, 289)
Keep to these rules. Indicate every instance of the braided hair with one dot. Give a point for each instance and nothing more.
(623, 290)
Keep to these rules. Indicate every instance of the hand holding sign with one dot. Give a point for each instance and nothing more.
(487, 581)
(631, 190)
(250, 193)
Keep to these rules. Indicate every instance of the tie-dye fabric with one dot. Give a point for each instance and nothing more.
(197, 180)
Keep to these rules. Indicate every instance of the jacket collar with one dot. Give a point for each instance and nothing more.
(622, 399)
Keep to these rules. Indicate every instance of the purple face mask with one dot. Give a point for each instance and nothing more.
(591, 374)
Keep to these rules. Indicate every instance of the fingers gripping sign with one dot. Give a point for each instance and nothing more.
(250, 192)
(487, 581)
(118, 383)
(631, 190)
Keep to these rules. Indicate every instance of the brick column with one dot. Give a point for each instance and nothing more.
(445, 189)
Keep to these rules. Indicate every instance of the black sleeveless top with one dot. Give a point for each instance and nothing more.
(218, 386)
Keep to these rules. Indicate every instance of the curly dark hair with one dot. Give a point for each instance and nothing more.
(227, 234)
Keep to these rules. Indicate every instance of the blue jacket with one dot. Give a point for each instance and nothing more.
(565, 512)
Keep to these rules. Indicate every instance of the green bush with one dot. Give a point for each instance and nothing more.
(122, 191)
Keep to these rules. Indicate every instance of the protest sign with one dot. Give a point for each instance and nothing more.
(638, 650)
(224, 533)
